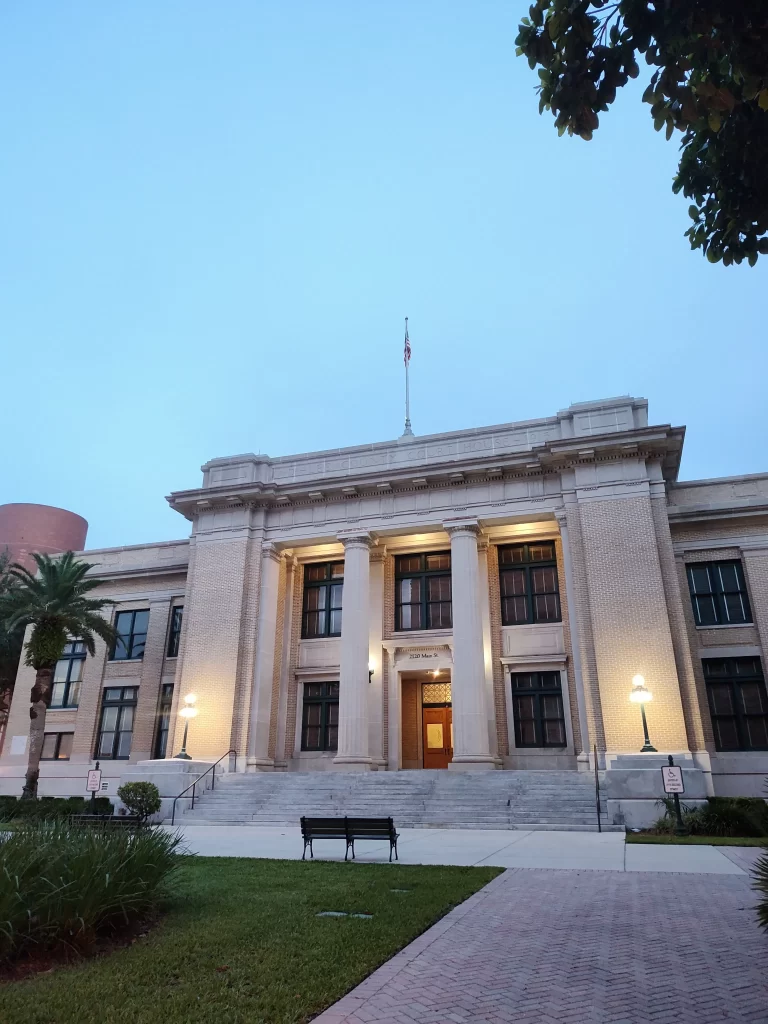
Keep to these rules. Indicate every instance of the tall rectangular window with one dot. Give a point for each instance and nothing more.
(131, 629)
(68, 675)
(718, 593)
(537, 707)
(323, 585)
(116, 725)
(423, 591)
(57, 746)
(738, 703)
(529, 586)
(163, 720)
(320, 717)
(174, 634)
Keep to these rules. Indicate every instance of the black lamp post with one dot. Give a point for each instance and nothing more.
(640, 695)
(187, 712)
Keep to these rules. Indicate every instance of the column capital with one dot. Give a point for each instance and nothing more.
(357, 539)
(562, 518)
(378, 553)
(462, 527)
(270, 550)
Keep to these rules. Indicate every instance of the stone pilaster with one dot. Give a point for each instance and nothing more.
(261, 701)
(573, 622)
(630, 621)
(353, 750)
(149, 688)
(471, 747)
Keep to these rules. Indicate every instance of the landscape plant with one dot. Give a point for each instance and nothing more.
(55, 604)
(52, 807)
(709, 80)
(141, 799)
(719, 816)
(65, 886)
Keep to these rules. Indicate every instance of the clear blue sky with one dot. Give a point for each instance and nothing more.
(216, 215)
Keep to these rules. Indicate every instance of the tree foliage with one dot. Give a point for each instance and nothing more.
(710, 82)
(11, 641)
(55, 603)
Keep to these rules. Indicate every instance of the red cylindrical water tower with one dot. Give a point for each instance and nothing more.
(41, 528)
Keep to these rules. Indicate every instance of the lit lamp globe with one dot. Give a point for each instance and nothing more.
(188, 712)
(642, 695)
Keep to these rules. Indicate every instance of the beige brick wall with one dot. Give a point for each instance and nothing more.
(213, 659)
(630, 623)
(756, 572)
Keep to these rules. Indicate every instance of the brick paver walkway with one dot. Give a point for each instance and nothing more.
(579, 947)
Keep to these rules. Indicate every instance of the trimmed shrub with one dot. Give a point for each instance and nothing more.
(141, 798)
(64, 886)
(720, 816)
(52, 807)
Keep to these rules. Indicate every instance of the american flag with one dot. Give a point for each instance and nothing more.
(407, 349)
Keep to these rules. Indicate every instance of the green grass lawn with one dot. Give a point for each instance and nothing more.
(644, 837)
(241, 944)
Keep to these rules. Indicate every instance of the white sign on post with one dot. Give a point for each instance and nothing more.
(93, 785)
(673, 779)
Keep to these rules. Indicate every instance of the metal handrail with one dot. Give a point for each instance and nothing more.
(597, 790)
(193, 784)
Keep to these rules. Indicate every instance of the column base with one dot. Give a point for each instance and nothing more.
(472, 763)
(352, 763)
(582, 762)
(259, 764)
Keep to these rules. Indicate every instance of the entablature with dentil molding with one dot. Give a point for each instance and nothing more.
(541, 462)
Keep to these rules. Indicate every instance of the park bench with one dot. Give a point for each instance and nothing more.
(348, 829)
(105, 820)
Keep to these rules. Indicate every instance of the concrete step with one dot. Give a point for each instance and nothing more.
(429, 799)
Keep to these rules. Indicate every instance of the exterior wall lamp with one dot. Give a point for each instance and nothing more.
(641, 695)
(371, 670)
(187, 712)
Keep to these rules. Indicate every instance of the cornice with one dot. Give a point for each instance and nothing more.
(662, 444)
(716, 511)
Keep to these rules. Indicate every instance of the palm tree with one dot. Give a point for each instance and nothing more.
(55, 604)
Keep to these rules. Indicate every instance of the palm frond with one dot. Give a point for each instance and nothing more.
(55, 599)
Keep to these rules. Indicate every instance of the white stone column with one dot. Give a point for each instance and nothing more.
(471, 748)
(485, 613)
(261, 699)
(376, 660)
(352, 754)
(573, 621)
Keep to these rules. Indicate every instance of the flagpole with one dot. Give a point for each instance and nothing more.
(408, 432)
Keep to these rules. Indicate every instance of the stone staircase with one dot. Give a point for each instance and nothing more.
(557, 800)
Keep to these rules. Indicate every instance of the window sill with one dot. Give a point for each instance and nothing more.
(728, 625)
(549, 622)
(403, 634)
(319, 639)
(63, 707)
(125, 661)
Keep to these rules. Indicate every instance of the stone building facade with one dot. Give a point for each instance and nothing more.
(475, 600)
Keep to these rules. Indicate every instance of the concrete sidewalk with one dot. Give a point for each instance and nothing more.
(589, 851)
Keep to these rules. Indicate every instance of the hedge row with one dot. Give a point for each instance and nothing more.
(52, 807)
